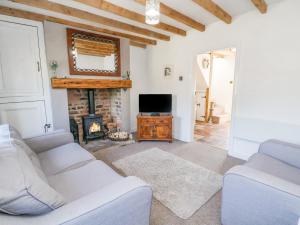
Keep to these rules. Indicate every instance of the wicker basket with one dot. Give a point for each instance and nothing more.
(116, 136)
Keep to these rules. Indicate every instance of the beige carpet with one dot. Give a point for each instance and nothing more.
(180, 185)
(202, 154)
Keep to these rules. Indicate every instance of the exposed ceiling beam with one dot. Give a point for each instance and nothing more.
(174, 14)
(39, 17)
(261, 5)
(136, 44)
(63, 9)
(120, 11)
(214, 9)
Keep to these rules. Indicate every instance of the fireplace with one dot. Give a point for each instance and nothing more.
(101, 106)
(92, 124)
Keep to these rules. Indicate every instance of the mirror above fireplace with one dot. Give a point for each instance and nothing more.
(93, 54)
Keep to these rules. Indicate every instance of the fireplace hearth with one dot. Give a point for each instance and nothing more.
(93, 127)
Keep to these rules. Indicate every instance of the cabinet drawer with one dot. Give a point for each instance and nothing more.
(163, 121)
(155, 121)
(148, 121)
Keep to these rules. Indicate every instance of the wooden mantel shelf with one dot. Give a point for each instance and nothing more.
(89, 83)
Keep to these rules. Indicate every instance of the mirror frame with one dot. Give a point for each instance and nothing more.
(72, 62)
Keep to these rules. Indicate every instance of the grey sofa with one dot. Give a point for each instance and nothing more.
(94, 193)
(266, 190)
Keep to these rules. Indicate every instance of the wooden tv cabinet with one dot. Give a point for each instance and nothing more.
(157, 128)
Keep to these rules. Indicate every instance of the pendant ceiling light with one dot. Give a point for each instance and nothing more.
(152, 12)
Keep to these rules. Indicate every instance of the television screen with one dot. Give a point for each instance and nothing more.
(155, 103)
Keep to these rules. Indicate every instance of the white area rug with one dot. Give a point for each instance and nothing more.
(180, 185)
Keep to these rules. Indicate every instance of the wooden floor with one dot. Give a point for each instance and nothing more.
(213, 134)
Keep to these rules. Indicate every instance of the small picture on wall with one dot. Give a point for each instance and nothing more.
(168, 71)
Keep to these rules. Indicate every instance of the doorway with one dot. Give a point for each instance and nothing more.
(214, 73)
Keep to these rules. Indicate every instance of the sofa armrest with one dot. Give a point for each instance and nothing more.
(251, 197)
(125, 202)
(50, 140)
(283, 151)
(263, 178)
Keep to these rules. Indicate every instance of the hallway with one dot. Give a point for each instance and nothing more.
(213, 134)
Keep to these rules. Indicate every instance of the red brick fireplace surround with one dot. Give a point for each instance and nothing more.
(107, 104)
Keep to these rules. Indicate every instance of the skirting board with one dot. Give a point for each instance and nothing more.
(243, 149)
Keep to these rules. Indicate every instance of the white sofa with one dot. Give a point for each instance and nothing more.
(266, 189)
(93, 192)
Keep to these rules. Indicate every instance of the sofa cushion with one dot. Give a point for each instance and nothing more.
(63, 158)
(274, 167)
(75, 183)
(24, 188)
(9, 134)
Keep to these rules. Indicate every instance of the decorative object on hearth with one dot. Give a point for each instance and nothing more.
(119, 136)
(152, 13)
(53, 66)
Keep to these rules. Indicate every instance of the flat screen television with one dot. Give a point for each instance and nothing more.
(155, 103)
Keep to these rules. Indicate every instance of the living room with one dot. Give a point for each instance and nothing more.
(97, 112)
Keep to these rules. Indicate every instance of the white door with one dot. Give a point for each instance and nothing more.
(24, 89)
(200, 105)
(28, 117)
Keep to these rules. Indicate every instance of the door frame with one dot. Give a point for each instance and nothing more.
(43, 63)
(235, 85)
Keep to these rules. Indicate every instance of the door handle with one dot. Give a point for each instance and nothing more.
(46, 127)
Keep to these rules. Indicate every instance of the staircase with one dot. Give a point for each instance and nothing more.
(219, 115)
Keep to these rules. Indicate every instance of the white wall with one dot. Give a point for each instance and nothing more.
(55, 40)
(221, 88)
(202, 74)
(125, 93)
(266, 81)
(139, 73)
(56, 49)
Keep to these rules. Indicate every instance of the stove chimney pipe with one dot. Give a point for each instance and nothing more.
(91, 99)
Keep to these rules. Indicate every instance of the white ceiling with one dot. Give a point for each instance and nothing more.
(187, 7)
(193, 10)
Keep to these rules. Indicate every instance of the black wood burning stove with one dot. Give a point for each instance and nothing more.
(93, 127)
